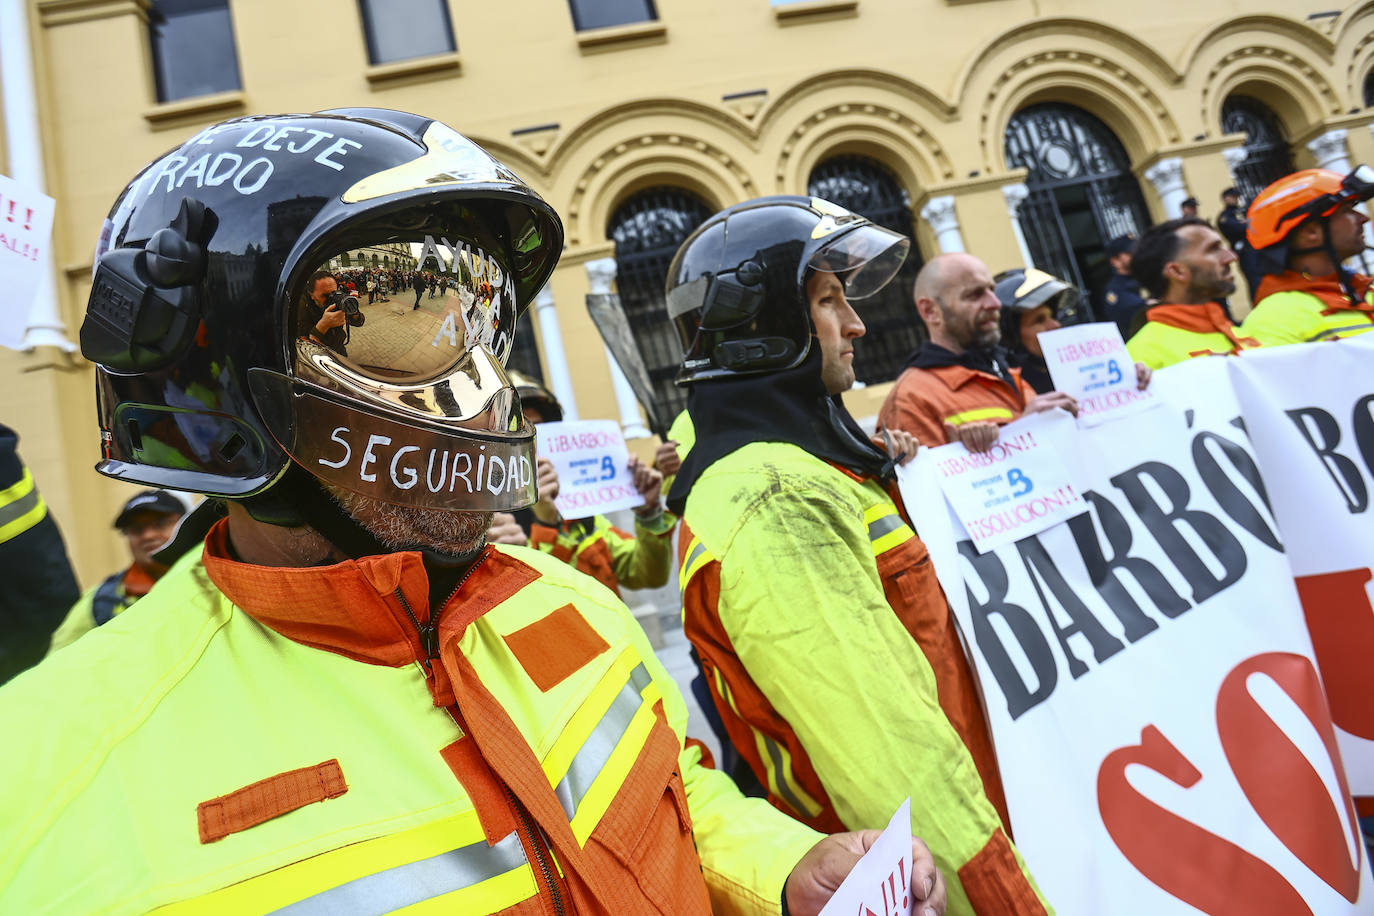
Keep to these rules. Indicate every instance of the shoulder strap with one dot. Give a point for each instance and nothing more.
(106, 599)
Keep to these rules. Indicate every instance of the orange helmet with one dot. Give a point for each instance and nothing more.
(1292, 200)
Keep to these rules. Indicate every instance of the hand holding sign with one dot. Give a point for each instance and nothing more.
(593, 467)
(896, 875)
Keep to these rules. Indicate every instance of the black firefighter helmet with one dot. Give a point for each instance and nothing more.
(736, 289)
(1021, 290)
(216, 370)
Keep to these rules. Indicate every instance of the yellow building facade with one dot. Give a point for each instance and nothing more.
(650, 104)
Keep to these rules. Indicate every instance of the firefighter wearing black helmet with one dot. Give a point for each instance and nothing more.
(795, 559)
(346, 701)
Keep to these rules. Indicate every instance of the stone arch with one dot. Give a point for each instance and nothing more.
(1080, 62)
(873, 130)
(1296, 91)
(1133, 113)
(1355, 45)
(1299, 36)
(687, 162)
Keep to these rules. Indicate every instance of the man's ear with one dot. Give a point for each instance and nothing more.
(928, 309)
(1176, 272)
(1308, 235)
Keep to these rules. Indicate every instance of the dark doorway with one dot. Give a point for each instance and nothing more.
(894, 330)
(1267, 155)
(648, 228)
(1082, 192)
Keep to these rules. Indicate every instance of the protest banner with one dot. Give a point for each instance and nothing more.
(1090, 362)
(25, 229)
(879, 884)
(1308, 413)
(1018, 487)
(593, 466)
(1163, 739)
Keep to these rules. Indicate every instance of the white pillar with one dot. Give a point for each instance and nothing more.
(1015, 195)
(45, 326)
(1235, 157)
(939, 212)
(1167, 177)
(1330, 151)
(560, 380)
(600, 276)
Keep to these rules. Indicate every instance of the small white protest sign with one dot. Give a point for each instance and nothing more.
(25, 229)
(880, 882)
(593, 467)
(1019, 487)
(1090, 362)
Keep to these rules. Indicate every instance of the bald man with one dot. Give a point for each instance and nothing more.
(958, 386)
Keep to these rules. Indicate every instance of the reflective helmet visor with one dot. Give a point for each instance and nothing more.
(399, 331)
(866, 259)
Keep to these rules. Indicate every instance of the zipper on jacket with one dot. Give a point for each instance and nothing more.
(540, 852)
(429, 632)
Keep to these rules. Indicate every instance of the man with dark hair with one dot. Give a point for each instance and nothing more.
(324, 319)
(1231, 223)
(1303, 227)
(1121, 298)
(1188, 209)
(1186, 265)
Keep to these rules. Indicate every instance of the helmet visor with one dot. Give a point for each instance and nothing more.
(866, 259)
(406, 306)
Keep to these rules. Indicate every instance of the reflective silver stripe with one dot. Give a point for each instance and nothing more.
(694, 554)
(885, 525)
(19, 507)
(781, 777)
(591, 757)
(1322, 335)
(404, 885)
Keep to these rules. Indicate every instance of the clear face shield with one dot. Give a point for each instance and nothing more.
(399, 334)
(865, 259)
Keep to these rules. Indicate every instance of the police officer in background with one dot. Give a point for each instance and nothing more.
(1232, 223)
(1121, 299)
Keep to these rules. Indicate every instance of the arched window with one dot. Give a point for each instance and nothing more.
(1082, 192)
(894, 330)
(647, 230)
(1369, 89)
(345, 260)
(1267, 156)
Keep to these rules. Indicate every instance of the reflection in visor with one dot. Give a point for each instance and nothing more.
(408, 309)
(866, 259)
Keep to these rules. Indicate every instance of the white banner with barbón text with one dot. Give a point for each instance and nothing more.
(1160, 721)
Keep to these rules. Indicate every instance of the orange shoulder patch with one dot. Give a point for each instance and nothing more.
(553, 647)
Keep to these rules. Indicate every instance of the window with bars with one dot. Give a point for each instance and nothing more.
(403, 29)
(1267, 155)
(600, 14)
(193, 48)
(648, 228)
(894, 330)
(1082, 192)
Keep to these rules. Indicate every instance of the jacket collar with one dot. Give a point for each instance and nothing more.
(355, 608)
(1327, 288)
(1207, 318)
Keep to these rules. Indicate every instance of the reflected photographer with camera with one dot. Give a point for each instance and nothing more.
(333, 312)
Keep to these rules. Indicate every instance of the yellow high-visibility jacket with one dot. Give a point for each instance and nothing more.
(833, 660)
(610, 556)
(330, 751)
(1293, 316)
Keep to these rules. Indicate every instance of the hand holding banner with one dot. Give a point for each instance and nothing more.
(592, 463)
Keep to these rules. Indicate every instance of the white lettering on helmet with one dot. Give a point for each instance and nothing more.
(266, 174)
(338, 146)
(467, 466)
(436, 486)
(170, 165)
(215, 176)
(369, 456)
(348, 450)
(411, 477)
(448, 329)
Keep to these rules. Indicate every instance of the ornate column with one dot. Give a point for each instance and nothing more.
(1167, 177)
(560, 380)
(600, 276)
(45, 326)
(939, 212)
(1330, 151)
(1235, 157)
(1015, 195)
